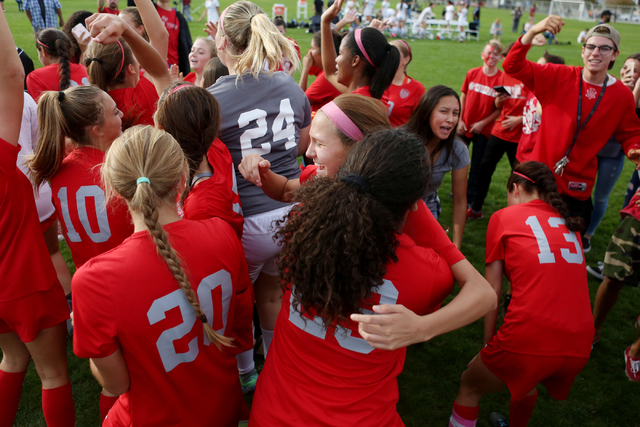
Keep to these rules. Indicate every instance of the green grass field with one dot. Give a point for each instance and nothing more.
(602, 396)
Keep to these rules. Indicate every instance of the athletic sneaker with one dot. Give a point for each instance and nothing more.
(498, 420)
(248, 381)
(596, 271)
(632, 366)
(471, 215)
(586, 245)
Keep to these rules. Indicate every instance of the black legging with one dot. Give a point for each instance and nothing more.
(496, 148)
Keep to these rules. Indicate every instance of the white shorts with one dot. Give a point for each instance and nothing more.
(260, 250)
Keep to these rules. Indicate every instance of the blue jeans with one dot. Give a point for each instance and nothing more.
(609, 170)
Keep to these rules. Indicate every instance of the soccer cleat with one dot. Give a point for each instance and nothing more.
(498, 420)
(596, 271)
(471, 215)
(248, 381)
(632, 368)
(586, 245)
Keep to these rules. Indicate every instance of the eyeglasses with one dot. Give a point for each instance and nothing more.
(604, 49)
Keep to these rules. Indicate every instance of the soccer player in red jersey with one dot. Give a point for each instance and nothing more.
(211, 188)
(404, 93)
(162, 316)
(110, 8)
(355, 68)
(546, 334)
(54, 50)
(33, 309)
(583, 107)
(321, 91)
(341, 254)
(112, 65)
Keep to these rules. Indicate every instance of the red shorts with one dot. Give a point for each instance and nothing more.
(119, 415)
(28, 315)
(522, 372)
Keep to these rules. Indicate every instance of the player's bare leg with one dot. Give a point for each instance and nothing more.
(476, 382)
(606, 298)
(15, 360)
(268, 302)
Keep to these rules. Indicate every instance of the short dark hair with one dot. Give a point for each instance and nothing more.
(553, 59)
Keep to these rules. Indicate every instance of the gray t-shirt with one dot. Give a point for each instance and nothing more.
(262, 116)
(446, 162)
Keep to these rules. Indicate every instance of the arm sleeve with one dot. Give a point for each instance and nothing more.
(95, 331)
(425, 231)
(495, 244)
(628, 130)
(316, 92)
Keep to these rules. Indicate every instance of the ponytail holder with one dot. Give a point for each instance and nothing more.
(356, 181)
(98, 60)
(142, 179)
(358, 37)
(342, 121)
(203, 319)
(121, 62)
(251, 18)
(524, 176)
(61, 96)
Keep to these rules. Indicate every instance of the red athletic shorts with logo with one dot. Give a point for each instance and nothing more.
(28, 315)
(522, 372)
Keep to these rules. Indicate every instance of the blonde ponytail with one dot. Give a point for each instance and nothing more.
(144, 151)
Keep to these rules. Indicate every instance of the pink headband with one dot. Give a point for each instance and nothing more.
(408, 48)
(524, 176)
(361, 46)
(177, 88)
(342, 121)
(224, 12)
(42, 44)
(122, 62)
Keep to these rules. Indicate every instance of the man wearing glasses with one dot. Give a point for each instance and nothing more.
(581, 108)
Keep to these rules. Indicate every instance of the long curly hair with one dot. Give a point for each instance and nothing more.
(337, 242)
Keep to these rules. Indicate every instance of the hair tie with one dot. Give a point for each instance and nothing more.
(142, 179)
(342, 121)
(98, 60)
(42, 44)
(251, 18)
(358, 37)
(61, 96)
(122, 62)
(524, 176)
(356, 181)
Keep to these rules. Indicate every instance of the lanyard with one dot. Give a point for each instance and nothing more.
(200, 176)
(560, 165)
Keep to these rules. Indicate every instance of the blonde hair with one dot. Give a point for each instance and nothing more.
(210, 44)
(254, 40)
(496, 45)
(144, 151)
(63, 116)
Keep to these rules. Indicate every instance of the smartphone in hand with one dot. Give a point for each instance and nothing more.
(501, 90)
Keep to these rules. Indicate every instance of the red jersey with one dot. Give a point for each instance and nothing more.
(138, 104)
(218, 195)
(480, 98)
(191, 78)
(48, 78)
(530, 127)
(353, 383)
(171, 23)
(402, 100)
(128, 298)
(321, 92)
(109, 11)
(90, 226)
(632, 208)
(512, 106)
(25, 264)
(557, 89)
(550, 311)
(308, 173)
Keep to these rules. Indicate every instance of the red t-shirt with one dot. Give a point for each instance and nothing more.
(402, 100)
(25, 264)
(480, 98)
(512, 106)
(48, 78)
(191, 78)
(550, 311)
(352, 383)
(632, 208)
(171, 23)
(321, 92)
(128, 298)
(557, 88)
(218, 195)
(138, 103)
(530, 127)
(308, 173)
(109, 11)
(90, 227)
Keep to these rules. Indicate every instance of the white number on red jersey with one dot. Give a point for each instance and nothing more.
(546, 256)
(157, 312)
(388, 295)
(282, 128)
(84, 192)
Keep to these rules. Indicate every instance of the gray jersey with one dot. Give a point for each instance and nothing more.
(265, 117)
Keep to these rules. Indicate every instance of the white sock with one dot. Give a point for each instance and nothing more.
(267, 336)
(245, 362)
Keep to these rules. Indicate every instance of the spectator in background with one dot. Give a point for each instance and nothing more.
(179, 36)
(112, 7)
(186, 10)
(476, 16)
(27, 64)
(496, 30)
(582, 37)
(605, 17)
(212, 10)
(516, 14)
(319, 6)
(532, 11)
(43, 14)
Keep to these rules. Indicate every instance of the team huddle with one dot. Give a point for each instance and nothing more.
(200, 214)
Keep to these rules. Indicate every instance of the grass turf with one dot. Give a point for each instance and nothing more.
(601, 396)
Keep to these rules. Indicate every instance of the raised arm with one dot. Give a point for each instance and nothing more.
(11, 85)
(157, 32)
(329, 53)
(307, 62)
(108, 29)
